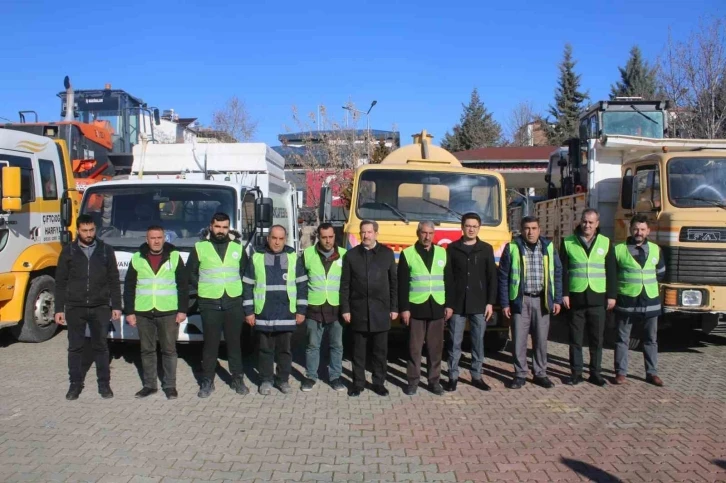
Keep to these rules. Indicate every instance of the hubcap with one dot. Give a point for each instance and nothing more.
(44, 308)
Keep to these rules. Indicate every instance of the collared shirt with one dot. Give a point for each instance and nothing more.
(641, 305)
(534, 275)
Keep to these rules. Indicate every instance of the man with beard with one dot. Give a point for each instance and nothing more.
(216, 267)
(156, 297)
(86, 280)
(589, 286)
(640, 268)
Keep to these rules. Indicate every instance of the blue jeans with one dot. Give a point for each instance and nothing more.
(315, 331)
(457, 323)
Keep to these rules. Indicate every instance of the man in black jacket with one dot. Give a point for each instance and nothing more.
(475, 292)
(156, 298)
(368, 302)
(424, 288)
(87, 292)
(216, 267)
(589, 285)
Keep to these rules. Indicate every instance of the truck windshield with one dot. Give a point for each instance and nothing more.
(123, 213)
(633, 123)
(423, 195)
(697, 182)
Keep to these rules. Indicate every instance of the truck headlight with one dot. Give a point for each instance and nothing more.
(691, 298)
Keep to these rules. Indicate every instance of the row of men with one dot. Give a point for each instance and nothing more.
(328, 287)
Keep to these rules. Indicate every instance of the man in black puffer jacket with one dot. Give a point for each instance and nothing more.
(87, 292)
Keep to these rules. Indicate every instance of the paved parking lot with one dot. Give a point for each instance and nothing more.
(634, 432)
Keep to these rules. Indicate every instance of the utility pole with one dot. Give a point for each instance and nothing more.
(368, 127)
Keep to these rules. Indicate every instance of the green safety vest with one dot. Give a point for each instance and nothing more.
(323, 287)
(216, 276)
(425, 284)
(632, 277)
(156, 291)
(261, 287)
(587, 272)
(518, 272)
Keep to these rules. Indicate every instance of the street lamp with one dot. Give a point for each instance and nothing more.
(368, 127)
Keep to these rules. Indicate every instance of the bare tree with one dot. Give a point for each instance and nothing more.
(328, 151)
(234, 120)
(693, 75)
(521, 125)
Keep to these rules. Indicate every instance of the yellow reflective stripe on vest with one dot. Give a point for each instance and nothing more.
(424, 284)
(632, 278)
(587, 271)
(217, 276)
(155, 291)
(323, 287)
(261, 288)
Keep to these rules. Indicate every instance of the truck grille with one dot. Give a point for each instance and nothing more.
(702, 234)
(695, 265)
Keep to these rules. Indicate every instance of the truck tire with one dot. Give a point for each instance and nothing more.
(38, 323)
(496, 341)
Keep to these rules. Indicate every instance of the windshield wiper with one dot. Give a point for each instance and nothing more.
(706, 200)
(396, 211)
(643, 114)
(444, 208)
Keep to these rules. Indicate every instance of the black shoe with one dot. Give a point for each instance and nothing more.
(597, 379)
(238, 384)
(380, 389)
(337, 385)
(355, 391)
(74, 391)
(171, 393)
(206, 389)
(410, 389)
(544, 382)
(105, 391)
(480, 384)
(518, 383)
(145, 392)
(307, 385)
(451, 386)
(575, 380)
(436, 388)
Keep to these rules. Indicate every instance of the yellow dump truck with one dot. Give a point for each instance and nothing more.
(425, 182)
(623, 164)
(38, 214)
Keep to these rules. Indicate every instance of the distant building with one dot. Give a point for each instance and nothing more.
(532, 134)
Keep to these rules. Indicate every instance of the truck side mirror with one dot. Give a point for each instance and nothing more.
(325, 204)
(66, 210)
(626, 193)
(11, 189)
(157, 119)
(263, 213)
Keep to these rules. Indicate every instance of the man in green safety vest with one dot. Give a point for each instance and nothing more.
(640, 268)
(216, 266)
(530, 289)
(156, 298)
(589, 285)
(275, 302)
(324, 264)
(424, 301)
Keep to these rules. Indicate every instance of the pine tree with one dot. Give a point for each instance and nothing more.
(477, 128)
(637, 79)
(568, 102)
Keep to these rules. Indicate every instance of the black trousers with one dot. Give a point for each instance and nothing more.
(97, 319)
(164, 329)
(591, 319)
(214, 320)
(275, 348)
(379, 342)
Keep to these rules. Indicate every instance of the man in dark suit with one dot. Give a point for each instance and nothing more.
(368, 302)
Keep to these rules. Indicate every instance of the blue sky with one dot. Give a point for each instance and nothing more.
(419, 60)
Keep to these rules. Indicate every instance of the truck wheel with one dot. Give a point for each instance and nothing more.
(496, 341)
(634, 343)
(38, 323)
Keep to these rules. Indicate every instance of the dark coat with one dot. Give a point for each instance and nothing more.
(505, 266)
(182, 284)
(84, 282)
(475, 277)
(369, 288)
